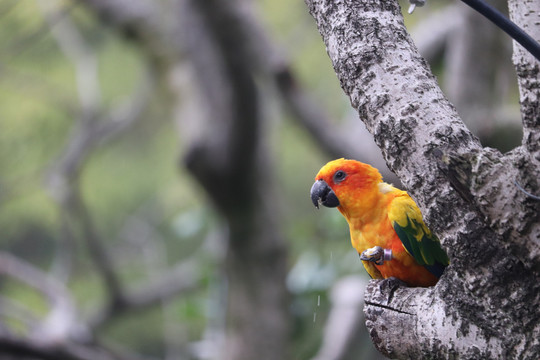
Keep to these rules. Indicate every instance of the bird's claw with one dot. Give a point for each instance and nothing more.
(377, 255)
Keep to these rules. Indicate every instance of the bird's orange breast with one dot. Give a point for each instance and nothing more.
(402, 266)
(405, 268)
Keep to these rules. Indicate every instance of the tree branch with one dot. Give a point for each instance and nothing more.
(349, 140)
(230, 162)
(74, 47)
(464, 191)
(526, 14)
(141, 21)
(11, 309)
(88, 133)
(345, 324)
(60, 322)
(431, 33)
(182, 279)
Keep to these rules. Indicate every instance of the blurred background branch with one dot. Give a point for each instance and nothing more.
(60, 322)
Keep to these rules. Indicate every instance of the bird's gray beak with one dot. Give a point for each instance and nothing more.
(321, 193)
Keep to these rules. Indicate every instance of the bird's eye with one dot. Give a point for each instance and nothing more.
(339, 176)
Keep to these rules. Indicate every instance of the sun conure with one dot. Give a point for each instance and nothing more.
(385, 224)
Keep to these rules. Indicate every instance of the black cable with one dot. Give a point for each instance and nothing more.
(506, 25)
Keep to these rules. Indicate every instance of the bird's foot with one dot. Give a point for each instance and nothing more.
(377, 255)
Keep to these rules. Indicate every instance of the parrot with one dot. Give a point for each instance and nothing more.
(385, 224)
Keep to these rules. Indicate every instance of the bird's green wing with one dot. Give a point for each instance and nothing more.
(417, 239)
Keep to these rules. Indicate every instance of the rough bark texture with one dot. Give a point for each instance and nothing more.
(526, 14)
(486, 303)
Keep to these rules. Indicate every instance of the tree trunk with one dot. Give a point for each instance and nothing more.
(230, 162)
(486, 305)
(227, 156)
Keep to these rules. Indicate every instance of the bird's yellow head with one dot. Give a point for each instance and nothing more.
(342, 183)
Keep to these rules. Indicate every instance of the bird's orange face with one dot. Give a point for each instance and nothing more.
(341, 181)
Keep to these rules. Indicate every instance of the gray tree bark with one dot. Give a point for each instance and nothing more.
(527, 15)
(486, 305)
